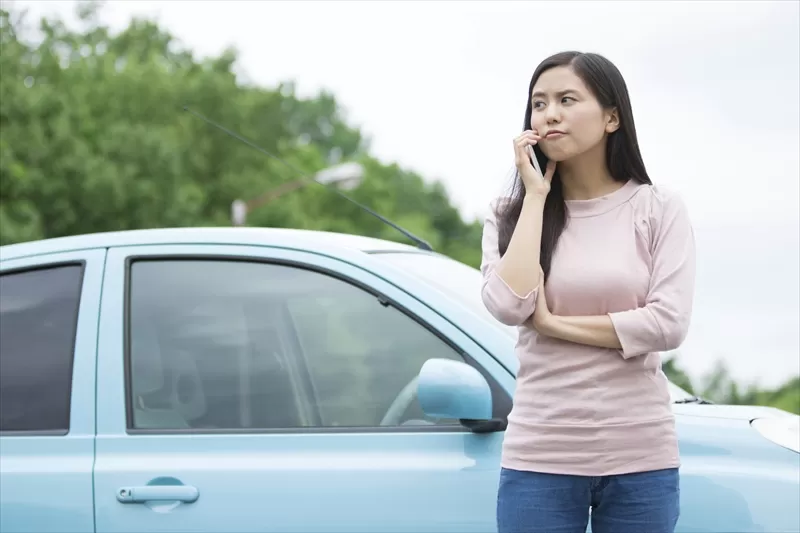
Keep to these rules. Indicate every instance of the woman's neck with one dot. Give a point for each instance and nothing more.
(586, 176)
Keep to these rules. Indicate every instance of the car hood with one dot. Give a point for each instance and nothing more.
(775, 425)
(731, 412)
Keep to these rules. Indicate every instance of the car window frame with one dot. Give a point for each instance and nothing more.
(82, 377)
(73, 324)
(311, 261)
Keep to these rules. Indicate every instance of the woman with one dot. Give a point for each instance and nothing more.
(596, 267)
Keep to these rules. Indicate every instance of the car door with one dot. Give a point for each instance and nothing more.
(48, 340)
(265, 389)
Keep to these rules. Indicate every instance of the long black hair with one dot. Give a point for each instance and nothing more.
(623, 157)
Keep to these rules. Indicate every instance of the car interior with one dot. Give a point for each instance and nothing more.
(249, 358)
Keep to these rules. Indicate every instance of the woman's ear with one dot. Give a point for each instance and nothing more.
(612, 121)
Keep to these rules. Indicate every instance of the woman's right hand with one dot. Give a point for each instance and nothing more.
(534, 182)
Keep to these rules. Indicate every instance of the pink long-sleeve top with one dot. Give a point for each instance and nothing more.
(592, 411)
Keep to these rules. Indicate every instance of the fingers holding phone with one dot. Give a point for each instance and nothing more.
(532, 177)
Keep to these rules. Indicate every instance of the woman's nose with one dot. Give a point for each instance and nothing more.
(553, 114)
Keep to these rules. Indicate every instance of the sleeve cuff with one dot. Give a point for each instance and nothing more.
(506, 305)
(638, 332)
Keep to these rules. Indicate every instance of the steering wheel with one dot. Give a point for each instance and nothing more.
(394, 415)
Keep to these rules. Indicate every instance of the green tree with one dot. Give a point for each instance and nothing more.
(676, 375)
(94, 138)
(719, 387)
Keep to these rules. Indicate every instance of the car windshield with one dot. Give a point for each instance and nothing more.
(463, 283)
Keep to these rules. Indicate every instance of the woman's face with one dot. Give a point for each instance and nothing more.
(567, 115)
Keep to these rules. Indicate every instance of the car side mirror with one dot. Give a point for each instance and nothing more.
(452, 389)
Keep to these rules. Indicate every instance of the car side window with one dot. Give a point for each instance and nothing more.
(38, 323)
(243, 345)
(361, 353)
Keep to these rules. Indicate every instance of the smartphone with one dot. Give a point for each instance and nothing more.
(534, 160)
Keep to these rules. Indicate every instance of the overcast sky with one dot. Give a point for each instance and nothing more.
(441, 89)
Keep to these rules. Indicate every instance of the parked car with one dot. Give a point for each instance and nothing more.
(243, 379)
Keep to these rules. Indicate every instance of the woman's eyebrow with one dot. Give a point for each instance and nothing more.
(559, 93)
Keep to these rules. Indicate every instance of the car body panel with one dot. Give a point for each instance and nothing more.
(745, 483)
(255, 481)
(46, 480)
(320, 242)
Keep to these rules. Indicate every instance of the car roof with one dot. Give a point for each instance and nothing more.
(296, 238)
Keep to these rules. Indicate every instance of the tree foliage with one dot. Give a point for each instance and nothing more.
(95, 138)
(718, 387)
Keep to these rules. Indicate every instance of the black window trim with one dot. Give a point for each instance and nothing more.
(81, 263)
(497, 390)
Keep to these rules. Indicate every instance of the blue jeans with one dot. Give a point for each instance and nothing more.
(530, 502)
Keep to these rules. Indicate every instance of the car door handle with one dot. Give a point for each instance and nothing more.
(158, 493)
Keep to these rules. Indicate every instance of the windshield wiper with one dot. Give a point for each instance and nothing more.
(694, 399)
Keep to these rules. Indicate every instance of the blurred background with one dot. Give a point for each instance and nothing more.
(427, 97)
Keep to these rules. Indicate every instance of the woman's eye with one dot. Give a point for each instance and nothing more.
(563, 100)
(537, 105)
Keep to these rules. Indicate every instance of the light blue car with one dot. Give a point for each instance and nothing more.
(272, 380)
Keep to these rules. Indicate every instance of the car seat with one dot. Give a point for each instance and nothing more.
(148, 380)
(186, 396)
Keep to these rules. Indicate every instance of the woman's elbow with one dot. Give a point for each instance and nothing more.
(509, 311)
(510, 318)
(675, 335)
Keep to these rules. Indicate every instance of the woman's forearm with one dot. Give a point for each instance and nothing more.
(519, 266)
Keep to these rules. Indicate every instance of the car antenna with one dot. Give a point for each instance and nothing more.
(422, 244)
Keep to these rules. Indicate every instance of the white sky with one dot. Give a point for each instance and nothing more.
(441, 88)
